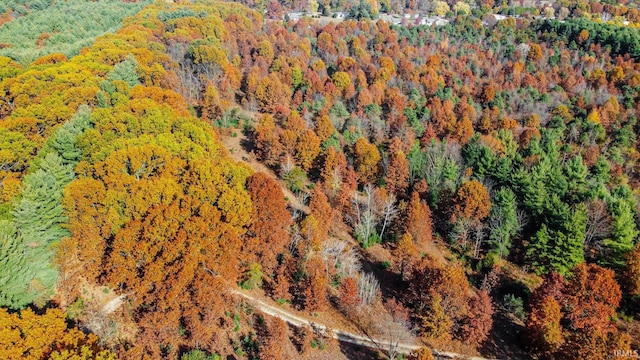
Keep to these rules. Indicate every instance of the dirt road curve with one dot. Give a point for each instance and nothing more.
(403, 348)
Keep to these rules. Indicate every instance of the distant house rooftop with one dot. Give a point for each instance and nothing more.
(433, 20)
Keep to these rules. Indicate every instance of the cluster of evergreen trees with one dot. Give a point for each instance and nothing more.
(30, 231)
(555, 193)
(620, 40)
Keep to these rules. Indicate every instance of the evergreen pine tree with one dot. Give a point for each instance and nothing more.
(576, 175)
(125, 71)
(623, 232)
(558, 245)
(503, 221)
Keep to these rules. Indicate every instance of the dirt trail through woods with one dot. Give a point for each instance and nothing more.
(344, 336)
(237, 149)
(240, 151)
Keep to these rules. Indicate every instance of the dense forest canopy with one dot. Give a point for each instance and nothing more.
(437, 179)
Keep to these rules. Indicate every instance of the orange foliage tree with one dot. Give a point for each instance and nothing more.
(349, 293)
(397, 174)
(543, 325)
(317, 281)
(591, 297)
(272, 94)
(268, 232)
(406, 251)
(322, 211)
(472, 201)
(440, 296)
(418, 220)
(324, 128)
(268, 146)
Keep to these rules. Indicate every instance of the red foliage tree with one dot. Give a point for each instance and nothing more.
(274, 10)
(591, 297)
(476, 326)
(349, 293)
(273, 344)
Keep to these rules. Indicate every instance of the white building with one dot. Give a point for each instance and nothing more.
(295, 16)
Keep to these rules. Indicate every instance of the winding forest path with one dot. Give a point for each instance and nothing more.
(344, 336)
(237, 147)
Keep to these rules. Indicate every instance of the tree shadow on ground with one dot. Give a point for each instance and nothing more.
(391, 283)
(357, 352)
(504, 337)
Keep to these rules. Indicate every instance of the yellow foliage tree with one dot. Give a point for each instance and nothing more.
(341, 80)
(307, 149)
(27, 335)
(594, 116)
(462, 7)
(367, 160)
(440, 8)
